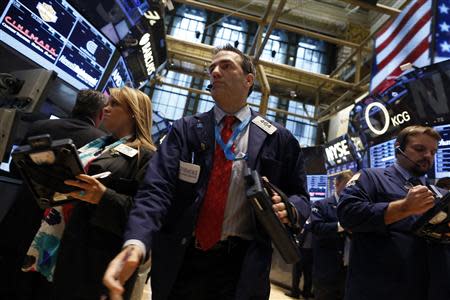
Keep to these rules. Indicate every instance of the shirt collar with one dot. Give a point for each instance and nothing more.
(406, 174)
(241, 115)
(336, 197)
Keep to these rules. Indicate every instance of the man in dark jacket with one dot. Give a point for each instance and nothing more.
(379, 206)
(82, 126)
(200, 247)
(23, 219)
(328, 244)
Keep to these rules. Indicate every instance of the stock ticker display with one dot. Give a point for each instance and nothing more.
(442, 158)
(382, 155)
(332, 172)
(317, 186)
(54, 35)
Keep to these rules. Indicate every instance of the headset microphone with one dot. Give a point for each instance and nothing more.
(209, 87)
(398, 150)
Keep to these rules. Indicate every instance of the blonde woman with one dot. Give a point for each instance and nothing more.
(93, 234)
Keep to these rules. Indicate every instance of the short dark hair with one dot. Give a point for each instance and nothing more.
(402, 137)
(247, 64)
(89, 104)
(344, 176)
(443, 183)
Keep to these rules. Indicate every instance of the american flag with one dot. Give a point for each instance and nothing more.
(442, 31)
(405, 40)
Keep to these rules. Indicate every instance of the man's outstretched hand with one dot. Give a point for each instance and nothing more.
(120, 270)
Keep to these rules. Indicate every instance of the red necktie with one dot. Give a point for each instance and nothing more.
(209, 223)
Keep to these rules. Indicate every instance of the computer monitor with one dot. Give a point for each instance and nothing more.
(382, 155)
(57, 37)
(120, 76)
(317, 186)
(332, 173)
(442, 157)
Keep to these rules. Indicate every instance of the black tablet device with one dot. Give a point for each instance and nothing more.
(45, 165)
(433, 224)
(285, 239)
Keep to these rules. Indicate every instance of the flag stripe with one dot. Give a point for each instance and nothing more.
(406, 39)
(419, 33)
(419, 56)
(412, 27)
(398, 24)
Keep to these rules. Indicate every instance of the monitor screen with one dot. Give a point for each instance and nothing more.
(120, 76)
(317, 186)
(382, 155)
(442, 158)
(55, 36)
(332, 172)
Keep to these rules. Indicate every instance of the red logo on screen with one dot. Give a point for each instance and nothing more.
(31, 36)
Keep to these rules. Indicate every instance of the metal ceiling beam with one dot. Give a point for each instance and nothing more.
(261, 26)
(221, 10)
(319, 36)
(269, 30)
(378, 7)
(333, 107)
(282, 26)
(265, 89)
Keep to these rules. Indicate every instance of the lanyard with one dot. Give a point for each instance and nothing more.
(97, 147)
(227, 148)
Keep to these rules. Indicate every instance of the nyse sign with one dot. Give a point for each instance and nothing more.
(396, 120)
(337, 152)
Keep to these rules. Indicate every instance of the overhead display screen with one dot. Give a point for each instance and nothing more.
(54, 35)
(120, 75)
(442, 158)
(339, 151)
(382, 155)
(317, 186)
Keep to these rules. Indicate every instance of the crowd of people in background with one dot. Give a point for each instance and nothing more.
(182, 208)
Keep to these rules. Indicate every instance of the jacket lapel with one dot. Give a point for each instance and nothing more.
(395, 176)
(204, 141)
(256, 140)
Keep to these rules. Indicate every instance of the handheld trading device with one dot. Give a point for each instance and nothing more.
(45, 165)
(259, 192)
(433, 224)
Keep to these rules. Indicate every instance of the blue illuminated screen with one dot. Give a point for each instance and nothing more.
(442, 158)
(382, 155)
(55, 36)
(317, 186)
(332, 172)
(120, 76)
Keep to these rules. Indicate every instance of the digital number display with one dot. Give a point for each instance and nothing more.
(442, 158)
(382, 155)
(54, 35)
(332, 172)
(317, 186)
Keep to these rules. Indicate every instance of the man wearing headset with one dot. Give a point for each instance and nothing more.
(379, 206)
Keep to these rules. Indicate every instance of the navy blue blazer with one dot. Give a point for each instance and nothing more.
(166, 208)
(328, 244)
(388, 261)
